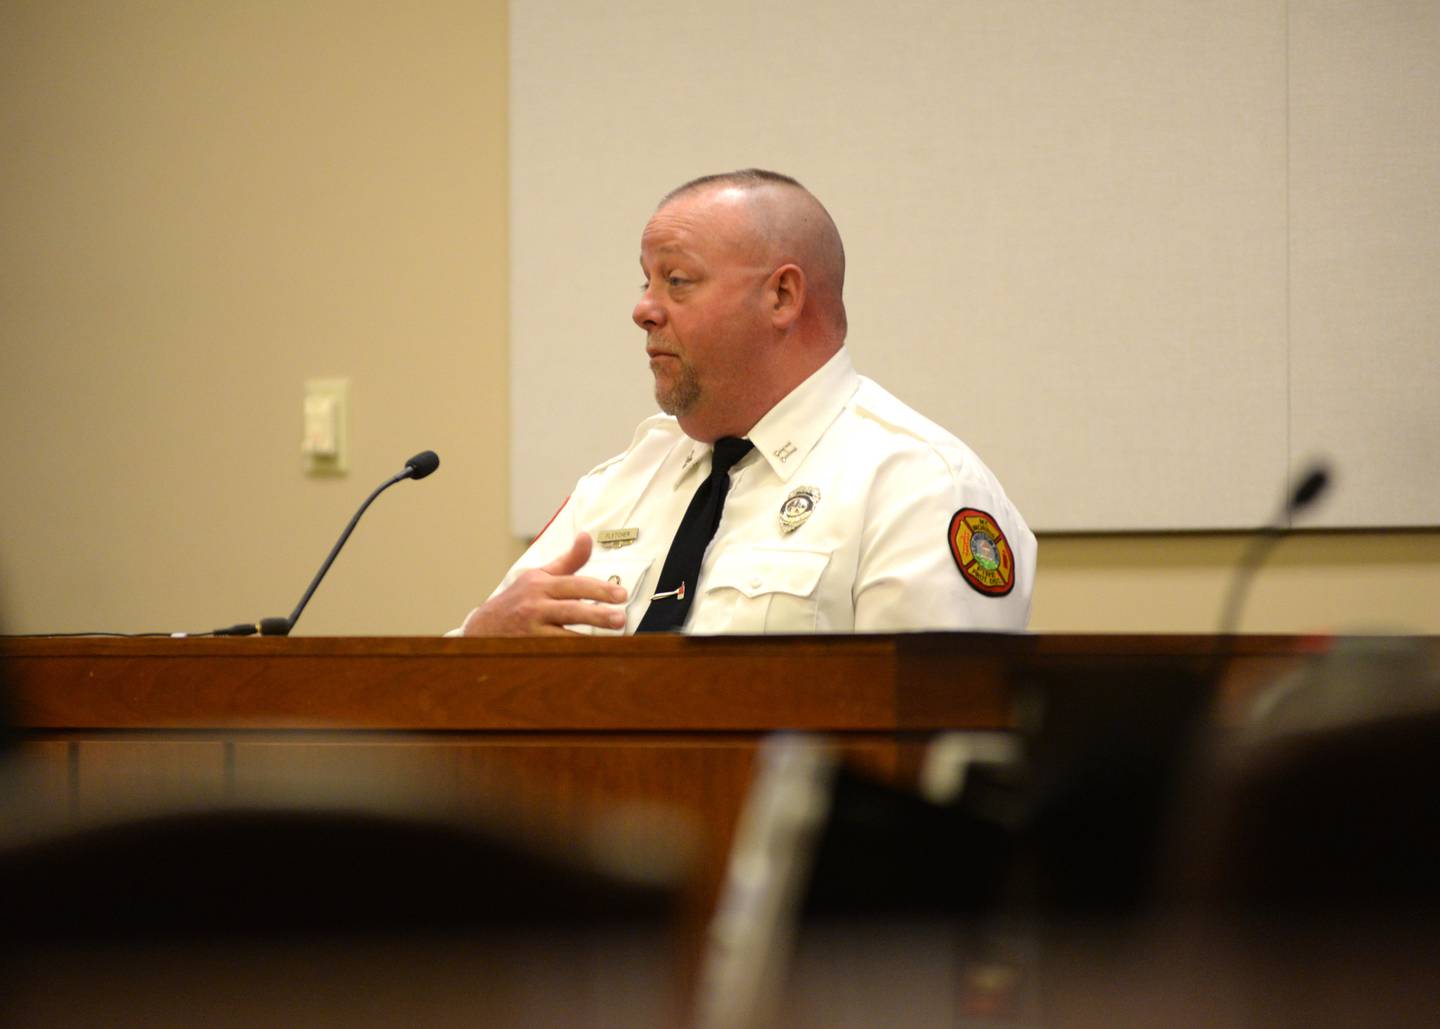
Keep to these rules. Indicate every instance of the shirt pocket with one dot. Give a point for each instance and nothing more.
(762, 589)
(627, 570)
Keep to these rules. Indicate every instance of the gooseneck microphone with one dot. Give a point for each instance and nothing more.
(1311, 486)
(417, 467)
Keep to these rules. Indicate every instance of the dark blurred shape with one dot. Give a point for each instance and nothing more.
(1327, 804)
(1340, 820)
(885, 851)
(1139, 862)
(289, 873)
(1107, 750)
(316, 915)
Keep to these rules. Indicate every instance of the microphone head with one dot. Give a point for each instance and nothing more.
(422, 464)
(1310, 487)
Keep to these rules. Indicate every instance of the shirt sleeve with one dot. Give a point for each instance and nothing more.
(942, 550)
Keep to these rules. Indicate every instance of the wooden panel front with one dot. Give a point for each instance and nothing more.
(113, 776)
(652, 683)
(556, 730)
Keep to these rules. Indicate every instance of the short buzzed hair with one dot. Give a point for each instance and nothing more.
(745, 178)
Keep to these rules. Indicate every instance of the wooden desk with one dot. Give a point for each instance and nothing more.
(553, 730)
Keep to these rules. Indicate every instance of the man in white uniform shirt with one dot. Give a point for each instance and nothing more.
(850, 513)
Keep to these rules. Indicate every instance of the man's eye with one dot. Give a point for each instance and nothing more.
(675, 280)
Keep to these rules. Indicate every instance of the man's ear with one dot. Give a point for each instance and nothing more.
(785, 295)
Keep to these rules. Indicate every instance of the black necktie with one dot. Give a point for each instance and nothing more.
(697, 528)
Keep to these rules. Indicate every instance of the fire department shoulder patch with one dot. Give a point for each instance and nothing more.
(981, 552)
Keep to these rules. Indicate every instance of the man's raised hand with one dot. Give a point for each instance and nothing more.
(542, 601)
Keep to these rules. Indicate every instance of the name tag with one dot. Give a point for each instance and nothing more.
(612, 539)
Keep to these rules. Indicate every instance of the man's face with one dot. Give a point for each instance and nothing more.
(701, 307)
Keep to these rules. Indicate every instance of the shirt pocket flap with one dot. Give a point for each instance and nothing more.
(756, 571)
(627, 570)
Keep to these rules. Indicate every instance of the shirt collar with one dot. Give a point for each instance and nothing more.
(789, 430)
(787, 433)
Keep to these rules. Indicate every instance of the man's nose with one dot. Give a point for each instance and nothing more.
(648, 314)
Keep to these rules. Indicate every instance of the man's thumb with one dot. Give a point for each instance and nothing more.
(573, 559)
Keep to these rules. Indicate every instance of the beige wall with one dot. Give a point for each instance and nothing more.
(1313, 582)
(203, 205)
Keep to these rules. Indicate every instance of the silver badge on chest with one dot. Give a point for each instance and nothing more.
(798, 506)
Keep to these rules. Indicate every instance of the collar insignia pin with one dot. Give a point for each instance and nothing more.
(784, 452)
(798, 506)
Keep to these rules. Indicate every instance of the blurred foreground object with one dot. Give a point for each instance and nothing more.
(335, 910)
(1134, 862)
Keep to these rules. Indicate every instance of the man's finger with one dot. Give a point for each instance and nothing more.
(573, 559)
(580, 612)
(583, 587)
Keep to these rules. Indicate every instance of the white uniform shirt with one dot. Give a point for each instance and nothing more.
(876, 552)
